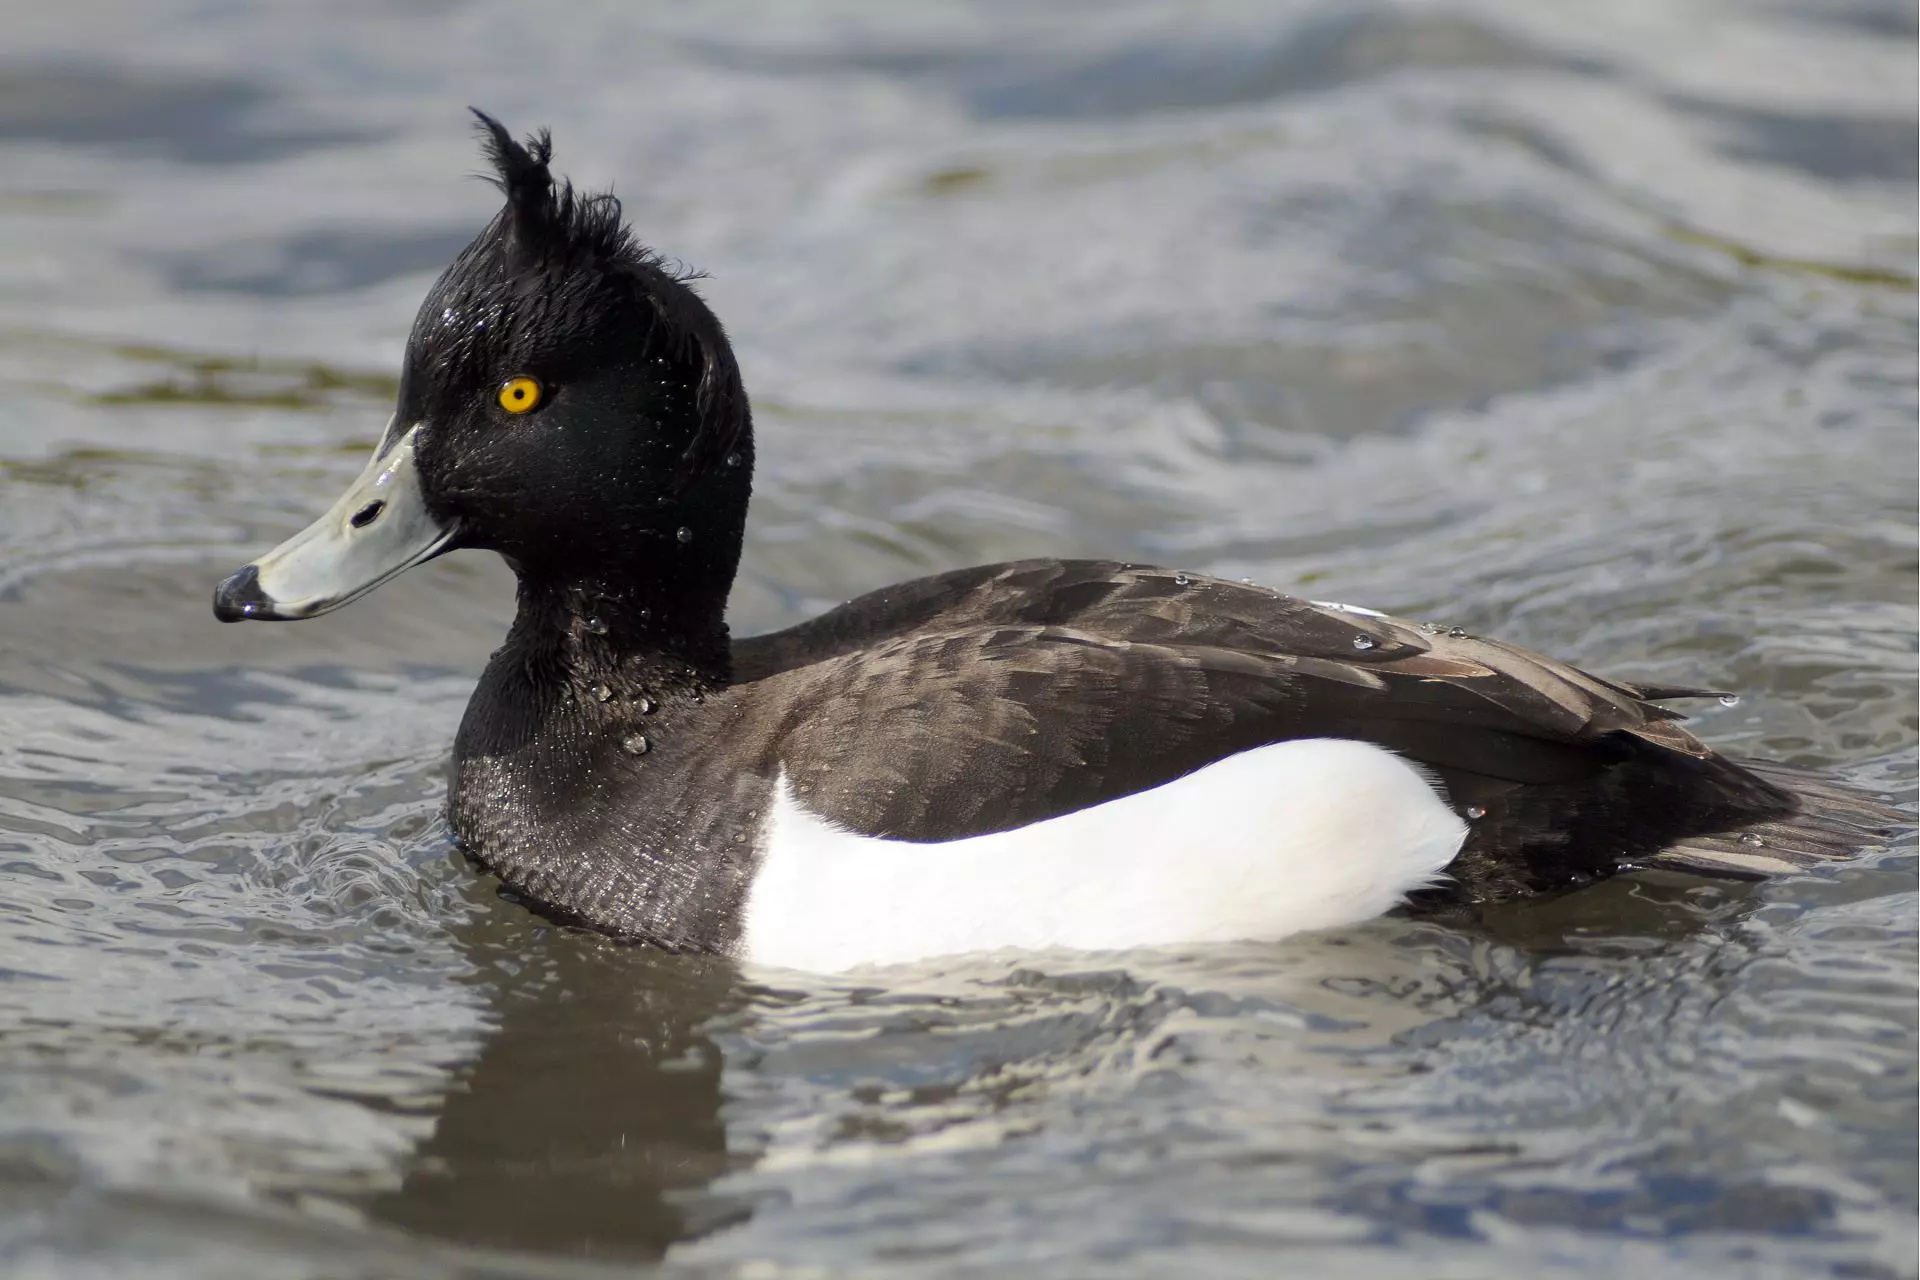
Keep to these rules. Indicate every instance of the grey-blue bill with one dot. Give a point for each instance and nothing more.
(379, 527)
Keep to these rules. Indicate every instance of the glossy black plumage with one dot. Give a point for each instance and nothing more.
(620, 752)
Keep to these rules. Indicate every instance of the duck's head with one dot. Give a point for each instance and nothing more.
(566, 401)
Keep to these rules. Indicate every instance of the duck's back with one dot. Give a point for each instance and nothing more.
(999, 696)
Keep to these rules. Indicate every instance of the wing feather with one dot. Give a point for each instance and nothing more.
(1017, 692)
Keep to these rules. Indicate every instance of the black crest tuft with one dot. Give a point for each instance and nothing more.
(548, 227)
(523, 176)
(549, 222)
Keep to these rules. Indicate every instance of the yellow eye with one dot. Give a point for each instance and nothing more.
(517, 395)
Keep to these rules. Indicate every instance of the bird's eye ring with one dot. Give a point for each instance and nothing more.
(517, 395)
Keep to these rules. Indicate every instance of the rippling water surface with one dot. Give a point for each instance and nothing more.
(1591, 326)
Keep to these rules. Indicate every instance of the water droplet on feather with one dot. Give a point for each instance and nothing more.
(1363, 642)
(636, 745)
(594, 625)
(1475, 813)
(603, 693)
(683, 534)
(1182, 580)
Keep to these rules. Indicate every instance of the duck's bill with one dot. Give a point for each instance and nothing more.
(379, 528)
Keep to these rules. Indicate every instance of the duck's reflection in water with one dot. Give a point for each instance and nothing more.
(590, 1125)
(591, 1120)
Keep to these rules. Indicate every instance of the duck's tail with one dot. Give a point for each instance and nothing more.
(1833, 821)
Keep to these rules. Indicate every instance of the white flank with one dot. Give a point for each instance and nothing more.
(1286, 837)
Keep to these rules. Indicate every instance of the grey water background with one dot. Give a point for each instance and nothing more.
(1592, 326)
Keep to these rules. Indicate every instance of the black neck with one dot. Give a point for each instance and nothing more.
(644, 612)
(635, 639)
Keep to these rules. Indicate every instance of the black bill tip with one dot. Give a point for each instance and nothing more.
(240, 597)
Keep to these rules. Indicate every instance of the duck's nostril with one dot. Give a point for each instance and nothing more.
(367, 514)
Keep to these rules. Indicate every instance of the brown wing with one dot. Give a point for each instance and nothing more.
(1012, 693)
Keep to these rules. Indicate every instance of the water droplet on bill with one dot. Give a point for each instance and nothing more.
(1729, 699)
